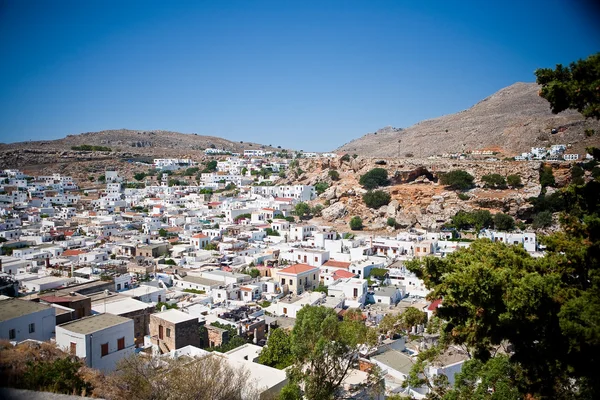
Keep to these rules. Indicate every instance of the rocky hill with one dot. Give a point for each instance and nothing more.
(122, 142)
(510, 121)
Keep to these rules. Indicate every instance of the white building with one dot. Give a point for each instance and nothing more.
(102, 340)
(22, 319)
(352, 290)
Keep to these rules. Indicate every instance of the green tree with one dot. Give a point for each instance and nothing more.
(324, 349)
(503, 222)
(476, 378)
(542, 219)
(412, 317)
(376, 198)
(162, 232)
(302, 209)
(277, 353)
(316, 210)
(547, 176)
(547, 308)
(139, 176)
(211, 166)
(476, 219)
(573, 87)
(374, 178)
(514, 180)
(494, 181)
(333, 175)
(391, 222)
(356, 223)
(321, 187)
(577, 174)
(457, 179)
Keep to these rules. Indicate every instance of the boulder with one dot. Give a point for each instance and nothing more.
(334, 212)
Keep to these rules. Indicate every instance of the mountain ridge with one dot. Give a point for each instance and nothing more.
(509, 121)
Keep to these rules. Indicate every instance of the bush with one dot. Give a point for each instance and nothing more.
(495, 181)
(457, 179)
(463, 196)
(271, 232)
(503, 222)
(345, 157)
(87, 147)
(391, 222)
(320, 187)
(542, 219)
(514, 180)
(356, 223)
(334, 175)
(577, 174)
(477, 219)
(376, 199)
(374, 178)
(547, 177)
(139, 176)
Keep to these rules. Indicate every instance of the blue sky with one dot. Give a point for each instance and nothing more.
(308, 75)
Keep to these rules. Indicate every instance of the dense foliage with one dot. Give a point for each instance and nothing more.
(88, 147)
(573, 87)
(476, 219)
(356, 223)
(494, 181)
(374, 178)
(457, 179)
(546, 309)
(376, 198)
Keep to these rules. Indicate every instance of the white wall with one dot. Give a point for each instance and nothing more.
(89, 346)
(44, 320)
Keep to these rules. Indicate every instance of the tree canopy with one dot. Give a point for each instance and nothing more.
(573, 87)
(374, 178)
(376, 198)
(457, 179)
(544, 313)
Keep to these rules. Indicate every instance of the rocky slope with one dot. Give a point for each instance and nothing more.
(418, 200)
(510, 121)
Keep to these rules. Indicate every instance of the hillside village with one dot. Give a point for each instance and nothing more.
(154, 268)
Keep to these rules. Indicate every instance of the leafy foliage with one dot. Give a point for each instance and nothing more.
(573, 87)
(503, 222)
(302, 209)
(277, 353)
(356, 223)
(547, 176)
(376, 198)
(542, 219)
(477, 219)
(457, 179)
(321, 187)
(494, 181)
(374, 178)
(547, 309)
(324, 349)
(514, 180)
(334, 175)
(88, 147)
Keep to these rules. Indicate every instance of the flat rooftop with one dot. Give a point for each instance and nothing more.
(119, 306)
(14, 308)
(174, 316)
(201, 281)
(395, 360)
(94, 323)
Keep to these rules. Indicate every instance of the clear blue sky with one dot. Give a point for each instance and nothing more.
(308, 75)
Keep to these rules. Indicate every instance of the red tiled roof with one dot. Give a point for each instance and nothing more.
(199, 236)
(297, 269)
(288, 199)
(337, 264)
(342, 274)
(434, 305)
(73, 252)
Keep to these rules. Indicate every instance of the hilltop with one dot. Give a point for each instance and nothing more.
(510, 121)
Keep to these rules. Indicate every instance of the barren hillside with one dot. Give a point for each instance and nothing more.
(510, 121)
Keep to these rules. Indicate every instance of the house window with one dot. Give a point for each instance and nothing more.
(168, 332)
(12, 334)
(104, 349)
(31, 328)
(73, 348)
(316, 259)
(283, 281)
(291, 282)
(284, 310)
(121, 343)
(314, 277)
(118, 286)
